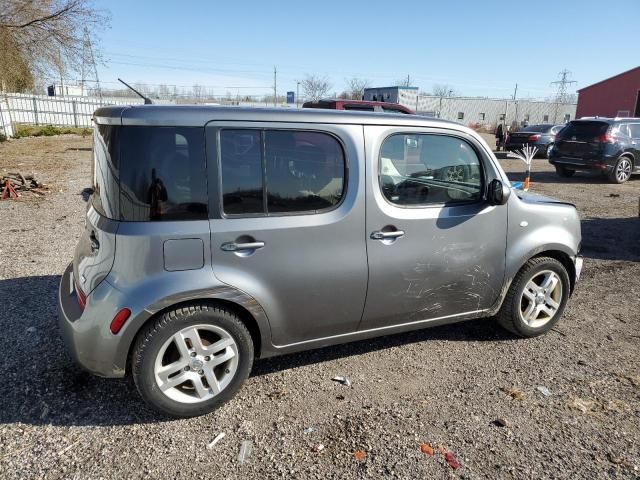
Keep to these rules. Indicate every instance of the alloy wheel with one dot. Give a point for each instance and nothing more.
(623, 170)
(196, 363)
(541, 298)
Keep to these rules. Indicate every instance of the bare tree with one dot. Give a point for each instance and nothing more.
(443, 90)
(315, 87)
(356, 86)
(197, 91)
(46, 36)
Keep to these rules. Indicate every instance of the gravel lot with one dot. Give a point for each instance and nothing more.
(469, 388)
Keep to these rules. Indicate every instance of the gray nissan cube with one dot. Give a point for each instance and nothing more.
(215, 236)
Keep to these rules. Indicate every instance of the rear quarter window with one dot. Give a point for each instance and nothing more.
(162, 174)
(105, 196)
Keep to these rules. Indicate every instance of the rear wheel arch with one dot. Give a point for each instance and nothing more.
(243, 314)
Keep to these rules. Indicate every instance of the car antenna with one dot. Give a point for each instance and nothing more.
(147, 100)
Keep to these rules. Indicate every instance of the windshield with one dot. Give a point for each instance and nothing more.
(585, 131)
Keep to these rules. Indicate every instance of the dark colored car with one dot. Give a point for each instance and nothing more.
(539, 136)
(607, 145)
(359, 105)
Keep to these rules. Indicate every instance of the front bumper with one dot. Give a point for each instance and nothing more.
(86, 333)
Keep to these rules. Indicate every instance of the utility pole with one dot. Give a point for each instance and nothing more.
(408, 80)
(275, 84)
(561, 95)
(298, 94)
(515, 96)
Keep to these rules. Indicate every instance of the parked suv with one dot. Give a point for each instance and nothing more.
(539, 136)
(607, 145)
(218, 235)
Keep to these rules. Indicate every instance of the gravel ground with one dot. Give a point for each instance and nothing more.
(469, 388)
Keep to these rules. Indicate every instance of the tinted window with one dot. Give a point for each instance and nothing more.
(241, 161)
(634, 130)
(304, 171)
(364, 108)
(429, 169)
(105, 170)
(162, 174)
(584, 131)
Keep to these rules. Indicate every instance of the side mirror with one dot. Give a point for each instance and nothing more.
(498, 192)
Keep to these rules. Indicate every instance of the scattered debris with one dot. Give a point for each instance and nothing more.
(514, 393)
(451, 460)
(31, 330)
(318, 447)
(342, 380)
(67, 448)
(12, 183)
(426, 449)
(219, 437)
(583, 363)
(583, 405)
(339, 397)
(277, 394)
(618, 460)
(441, 450)
(245, 451)
(500, 422)
(359, 455)
(308, 429)
(544, 390)
(614, 195)
(610, 337)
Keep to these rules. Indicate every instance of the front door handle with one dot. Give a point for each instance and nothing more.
(235, 247)
(379, 235)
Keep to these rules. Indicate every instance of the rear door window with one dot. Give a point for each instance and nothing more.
(269, 172)
(634, 130)
(105, 196)
(162, 174)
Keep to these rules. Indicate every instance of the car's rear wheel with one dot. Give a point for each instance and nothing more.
(621, 171)
(191, 360)
(536, 299)
(564, 172)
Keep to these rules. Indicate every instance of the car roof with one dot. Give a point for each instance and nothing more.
(199, 115)
(607, 119)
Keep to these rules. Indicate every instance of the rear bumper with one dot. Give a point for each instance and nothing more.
(86, 333)
(602, 164)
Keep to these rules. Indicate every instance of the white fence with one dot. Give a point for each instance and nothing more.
(18, 108)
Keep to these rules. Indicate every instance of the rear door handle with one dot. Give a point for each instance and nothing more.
(235, 247)
(379, 235)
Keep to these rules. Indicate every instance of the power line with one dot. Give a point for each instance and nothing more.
(561, 95)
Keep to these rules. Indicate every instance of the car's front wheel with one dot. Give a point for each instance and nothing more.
(536, 299)
(621, 171)
(564, 172)
(191, 360)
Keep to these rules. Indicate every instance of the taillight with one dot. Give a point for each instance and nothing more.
(606, 138)
(533, 138)
(118, 321)
(82, 298)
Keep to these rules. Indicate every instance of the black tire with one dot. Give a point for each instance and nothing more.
(510, 318)
(564, 172)
(616, 175)
(154, 335)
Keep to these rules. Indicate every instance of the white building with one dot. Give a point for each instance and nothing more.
(475, 110)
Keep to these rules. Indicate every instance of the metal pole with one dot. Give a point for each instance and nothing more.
(298, 94)
(35, 110)
(275, 77)
(515, 92)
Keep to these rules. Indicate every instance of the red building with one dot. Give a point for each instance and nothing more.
(618, 96)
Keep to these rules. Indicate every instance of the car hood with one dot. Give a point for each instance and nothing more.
(529, 197)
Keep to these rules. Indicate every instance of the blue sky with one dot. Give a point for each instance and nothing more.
(480, 48)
